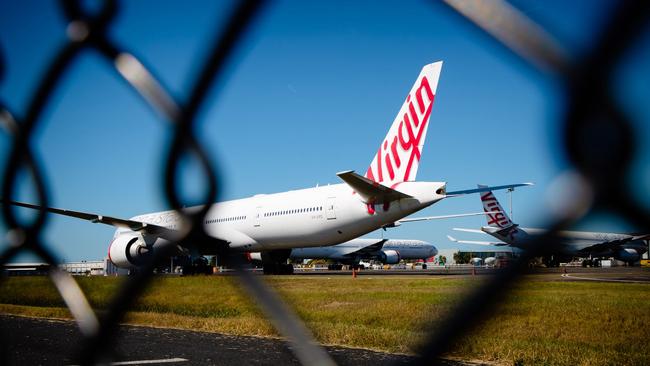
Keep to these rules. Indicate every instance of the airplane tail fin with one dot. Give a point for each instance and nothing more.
(399, 154)
(496, 215)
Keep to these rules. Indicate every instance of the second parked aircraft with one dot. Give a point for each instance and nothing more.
(585, 244)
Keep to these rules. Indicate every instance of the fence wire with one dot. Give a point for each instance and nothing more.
(604, 179)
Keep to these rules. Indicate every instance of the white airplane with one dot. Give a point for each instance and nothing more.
(387, 251)
(327, 215)
(625, 247)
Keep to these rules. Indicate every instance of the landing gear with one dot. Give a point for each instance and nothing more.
(192, 265)
(275, 262)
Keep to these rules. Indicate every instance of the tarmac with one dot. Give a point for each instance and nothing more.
(31, 341)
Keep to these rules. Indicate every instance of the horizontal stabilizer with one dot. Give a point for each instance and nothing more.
(469, 230)
(425, 218)
(370, 191)
(487, 189)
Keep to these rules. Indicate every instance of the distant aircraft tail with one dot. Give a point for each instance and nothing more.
(496, 215)
(398, 157)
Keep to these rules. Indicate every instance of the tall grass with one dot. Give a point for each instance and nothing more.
(540, 322)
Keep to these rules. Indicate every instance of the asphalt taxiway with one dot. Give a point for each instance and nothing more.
(30, 341)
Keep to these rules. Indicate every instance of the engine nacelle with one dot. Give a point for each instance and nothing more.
(627, 255)
(128, 250)
(390, 257)
(254, 256)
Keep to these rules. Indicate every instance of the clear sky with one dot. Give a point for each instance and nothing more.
(310, 91)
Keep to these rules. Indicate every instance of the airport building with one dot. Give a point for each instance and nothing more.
(86, 268)
(487, 254)
(451, 254)
(83, 268)
(92, 268)
(499, 258)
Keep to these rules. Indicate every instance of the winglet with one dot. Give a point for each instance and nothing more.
(371, 192)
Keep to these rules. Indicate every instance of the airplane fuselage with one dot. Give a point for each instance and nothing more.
(407, 249)
(577, 243)
(318, 216)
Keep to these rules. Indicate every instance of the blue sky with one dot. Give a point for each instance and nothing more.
(311, 90)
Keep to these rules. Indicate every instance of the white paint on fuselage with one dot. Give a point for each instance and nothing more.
(319, 216)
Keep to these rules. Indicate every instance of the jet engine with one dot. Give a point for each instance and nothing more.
(627, 255)
(128, 250)
(390, 257)
(254, 256)
(490, 261)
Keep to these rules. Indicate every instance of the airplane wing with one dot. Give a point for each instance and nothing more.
(486, 243)
(369, 249)
(161, 231)
(486, 189)
(640, 237)
(369, 190)
(611, 245)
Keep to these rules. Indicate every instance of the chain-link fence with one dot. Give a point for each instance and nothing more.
(604, 177)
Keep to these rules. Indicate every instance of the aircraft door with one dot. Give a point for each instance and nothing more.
(258, 216)
(330, 208)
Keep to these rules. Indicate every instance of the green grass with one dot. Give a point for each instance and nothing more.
(553, 322)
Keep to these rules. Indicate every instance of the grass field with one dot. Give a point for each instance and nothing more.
(539, 322)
